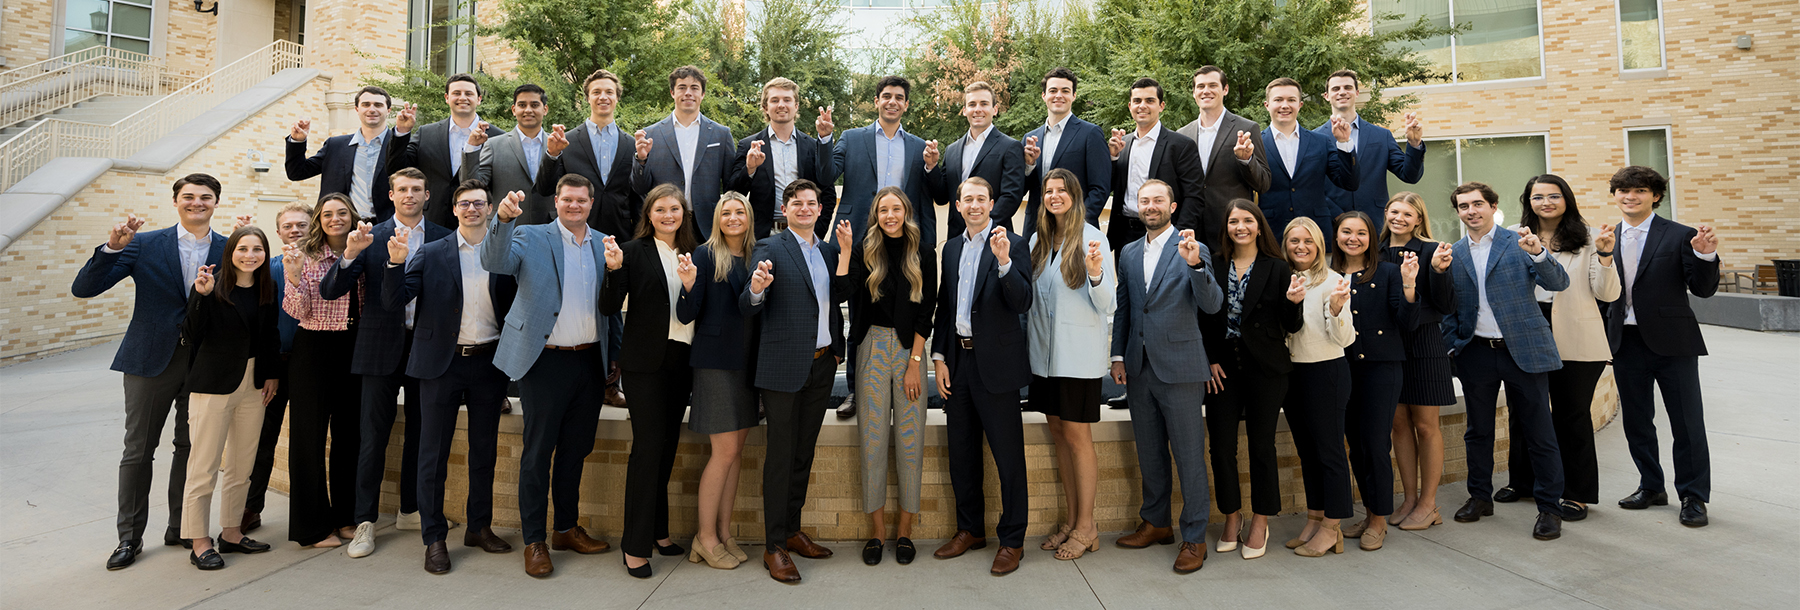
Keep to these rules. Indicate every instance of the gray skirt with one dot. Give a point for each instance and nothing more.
(723, 402)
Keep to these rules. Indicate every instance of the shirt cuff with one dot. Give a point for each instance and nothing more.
(1707, 257)
(1243, 161)
(756, 298)
(1005, 268)
(936, 357)
(1348, 147)
(398, 133)
(344, 263)
(1541, 255)
(826, 139)
(1094, 280)
(469, 148)
(107, 248)
(1118, 358)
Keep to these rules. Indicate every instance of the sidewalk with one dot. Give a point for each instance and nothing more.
(59, 448)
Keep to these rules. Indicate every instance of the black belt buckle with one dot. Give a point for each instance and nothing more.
(965, 342)
(473, 350)
(1497, 344)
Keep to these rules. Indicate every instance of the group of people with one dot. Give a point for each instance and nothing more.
(1239, 277)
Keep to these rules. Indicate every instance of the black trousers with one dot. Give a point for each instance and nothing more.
(971, 413)
(1253, 396)
(148, 402)
(657, 401)
(378, 412)
(1483, 366)
(1369, 427)
(562, 397)
(1636, 369)
(264, 466)
(794, 420)
(1571, 414)
(325, 400)
(1318, 393)
(474, 381)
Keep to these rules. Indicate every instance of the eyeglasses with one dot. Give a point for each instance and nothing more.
(471, 204)
(1543, 198)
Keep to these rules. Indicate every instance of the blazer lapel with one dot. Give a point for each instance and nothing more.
(1658, 227)
(1162, 145)
(1258, 277)
(452, 262)
(1164, 265)
(1062, 144)
(875, 134)
(1496, 248)
(516, 147)
(556, 253)
(1224, 141)
(1301, 154)
(1276, 164)
(953, 158)
(798, 253)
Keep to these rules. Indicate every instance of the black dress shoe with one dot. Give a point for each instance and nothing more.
(1549, 527)
(244, 545)
(1507, 495)
(904, 551)
(872, 551)
(1474, 510)
(125, 555)
(1693, 512)
(251, 522)
(485, 539)
(642, 571)
(1644, 498)
(437, 558)
(672, 550)
(210, 560)
(172, 537)
(1573, 511)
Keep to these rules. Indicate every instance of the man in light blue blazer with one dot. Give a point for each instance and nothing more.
(1374, 147)
(884, 154)
(1303, 165)
(1497, 334)
(696, 153)
(552, 343)
(1164, 285)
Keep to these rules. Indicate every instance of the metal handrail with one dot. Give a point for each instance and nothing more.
(59, 82)
(51, 64)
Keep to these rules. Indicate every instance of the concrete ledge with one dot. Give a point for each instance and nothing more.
(1761, 312)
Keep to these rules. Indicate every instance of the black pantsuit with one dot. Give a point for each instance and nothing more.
(972, 413)
(1636, 367)
(561, 396)
(1253, 395)
(1368, 426)
(472, 380)
(325, 399)
(1317, 395)
(1571, 401)
(378, 412)
(1483, 365)
(273, 414)
(794, 420)
(657, 401)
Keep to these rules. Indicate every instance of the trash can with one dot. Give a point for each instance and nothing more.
(1787, 277)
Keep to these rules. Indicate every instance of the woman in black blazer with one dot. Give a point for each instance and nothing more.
(1246, 342)
(1383, 308)
(231, 325)
(724, 401)
(654, 357)
(1425, 384)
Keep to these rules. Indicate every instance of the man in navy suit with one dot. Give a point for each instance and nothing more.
(1656, 341)
(1303, 165)
(1066, 142)
(769, 160)
(441, 148)
(354, 163)
(696, 153)
(1374, 147)
(1152, 152)
(883, 154)
(978, 348)
(162, 264)
(1498, 335)
(982, 152)
(382, 336)
(459, 309)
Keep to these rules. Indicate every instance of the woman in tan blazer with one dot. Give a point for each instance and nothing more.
(1585, 252)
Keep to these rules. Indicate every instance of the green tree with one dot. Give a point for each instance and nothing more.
(803, 41)
(560, 43)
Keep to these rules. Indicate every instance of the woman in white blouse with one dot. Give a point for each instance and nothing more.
(1319, 390)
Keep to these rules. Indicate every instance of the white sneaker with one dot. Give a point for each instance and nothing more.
(407, 522)
(364, 543)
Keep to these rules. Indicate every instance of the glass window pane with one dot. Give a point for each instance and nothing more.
(1650, 148)
(86, 14)
(141, 46)
(1502, 41)
(1435, 50)
(1640, 34)
(76, 40)
(1505, 164)
(131, 21)
(1435, 187)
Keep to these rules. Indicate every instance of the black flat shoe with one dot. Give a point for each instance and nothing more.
(1549, 527)
(1573, 511)
(872, 551)
(209, 561)
(1507, 495)
(1474, 510)
(244, 545)
(172, 537)
(642, 571)
(672, 550)
(1693, 512)
(1644, 498)
(904, 550)
(125, 555)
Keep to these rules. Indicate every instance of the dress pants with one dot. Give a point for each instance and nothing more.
(1166, 418)
(273, 414)
(325, 400)
(225, 429)
(474, 381)
(1369, 427)
(1318, 394)
(1636, 368)
(1482, 366)
(794, 420)
(657, 401)
(972, 412)
(887, 417)
(378, 411)
(1253, 396)
(562, 398)
(1571, 413)
(148, 401)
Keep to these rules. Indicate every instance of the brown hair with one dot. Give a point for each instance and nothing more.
(411, 173)
(1418, 205)
(1339, 259)
(315, 242)
(688, 71)
(618, 87)
(779, 82)
(1351, 74)
(205, 180)
(386, 100)
(1062, 233)
(979, 85)
(226, 279)
(1283, 82)
(1487, 193)
(977, 181)
(1208, 69)
(1265, 240)
(685, 241)
(464, 187)
(575, 180)
(875, 255)
(794, 188)
(1058, 72)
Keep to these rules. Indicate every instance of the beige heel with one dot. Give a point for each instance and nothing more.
(1422, 524)
(1297, 541)
(1337, 547)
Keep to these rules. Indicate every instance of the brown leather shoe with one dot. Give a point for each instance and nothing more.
(437, 558)
(537, 560)
(803, 545)
(485, 539)
(781, 567)
(1147, 535)
(250, 522)
(962, 542)
(1192, 556)
(1006, 560)
(577, 539)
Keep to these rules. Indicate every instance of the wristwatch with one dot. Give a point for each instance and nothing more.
(917, 359)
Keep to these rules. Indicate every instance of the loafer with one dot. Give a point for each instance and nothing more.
(437, 558)
(209, 560)
(904, 551)
(872, 552)
(1548, 527)
(125, 555)
(485, 539)
(537, 560)
(244, 545)
(1507, 495)
(962, 542)
(172, 537)
(1474, 510)
(1644, 498)
(1573, 511)
(1693, 512)
(803, 545)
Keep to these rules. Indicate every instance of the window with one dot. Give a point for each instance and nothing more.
(120, 24)
(1502, 39)
(444, 49)
(1649, 147)
(1640, 34)
(1502, 162)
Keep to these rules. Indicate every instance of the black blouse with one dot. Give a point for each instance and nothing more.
(1435, 296)
(895, 308)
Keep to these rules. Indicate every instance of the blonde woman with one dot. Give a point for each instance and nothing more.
(1319, 389)
(1425, 384)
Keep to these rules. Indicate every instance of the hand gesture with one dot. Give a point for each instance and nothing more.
(1340, 129)
(1409, 266)
(1118, 373)
(1340, 295)
(1705, 242)
(644, 143)
(291, 262)
(243, 220)
(301, 127)
(1606, 240)
(615, 258)
(1096, 258)
(1531, 244)
(1189, 248)
(1296, 291)
(1000, 245)
(1216, 384)
(763, 276)
(509, 207)
(556, 142)
(684, 269)
(408, 117)
(943, 379)
(478, 135)
(755, 157)
(845, 237)
(123, 232)
(1440, 260)
(203, 279)
(931, 154)
(823, 126)
(1245, 146)
(358, 239)
(397, 246)
(1116, 144)
(1032, 151)
(1415, 130)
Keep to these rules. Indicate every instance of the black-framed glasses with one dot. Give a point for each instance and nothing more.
(471, 204)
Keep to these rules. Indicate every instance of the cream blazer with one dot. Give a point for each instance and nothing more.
(1324, 336)
(1574, 315)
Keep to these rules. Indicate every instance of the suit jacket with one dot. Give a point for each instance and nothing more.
(1177, 162)
(813, 163)
(533, 256)
(789, 313)
(722, 334)
(284, 323)
(1267, 319)
(1001, 162)
(1376, 154)
(616, 202)
(854, 158)
(430, 153)
(1434, 291)
(996, 313)
(336, 164)
(1068, 325)
(1575, 312)
(647, 326)
(1160, 325)
(501, 164)
(1382, 314)
(380, 330)
(153, 261)
(1667, 269)
(223, 344)
(435, 278)
(1225, 177)
(1082, 150)
(1510, 275)
(1307, 193)
(712, 166)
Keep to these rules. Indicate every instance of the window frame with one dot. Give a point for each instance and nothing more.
(460, 56)
(1456, 81)
(1456, 143)
(152, 42)
(1668, 201)
(1662, 40)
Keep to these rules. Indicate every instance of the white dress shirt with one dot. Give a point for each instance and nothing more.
(193, 249)
(1138, 171)
(479, 324)
(1153, 248)
(1053, 133)
(687, 142)
(972, 151)
(459, 141)
(1486, 326)
(1206, 137)
(968, 267)
(533, 149)
(1288, 145)
(576, 323)
(677, 330)
(1631, 250)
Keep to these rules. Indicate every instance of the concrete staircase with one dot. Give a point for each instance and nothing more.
(102, 110)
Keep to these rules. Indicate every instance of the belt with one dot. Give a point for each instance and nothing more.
(965, 342)
(477, 349)
(571, 348)
(821, 352)
(1492, 343)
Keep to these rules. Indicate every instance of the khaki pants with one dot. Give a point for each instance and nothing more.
(223, 431)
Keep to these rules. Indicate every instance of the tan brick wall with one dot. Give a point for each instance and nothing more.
(189, 42)
(493, 55)
(25, 31)
(348, 39)
(284, 21)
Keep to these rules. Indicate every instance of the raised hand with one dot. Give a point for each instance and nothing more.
(615, 258)
(1705, 242)
(1032, 151)
(397, 246)
(1216, 383)
(1001, 245)
(1409, 266)
(556, 142)
(301, 127)
(1530, 242)
(644, 142)
(359, 239)
(407, 119)
(1245, 146)
(203, 279)
(1296, 291)
(846, 238)
(509, 207)
(1415, 130)
(243, 220)
(1095, 259)
(823, 126)
(1189, 248)
(755, 157)
(1340, 295)
(478, 135)
(123, 232)
(291, 262)
(1116, 143)
(1606, 240)
(1340, 129)
(931, 154)
(763, 276)
(684, 269)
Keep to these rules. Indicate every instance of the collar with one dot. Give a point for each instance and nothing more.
(356, 137)
(597, 128)
(187, 236)
(677, 121)
(1155, 130)
(1286, 136)
(1059, 125)
(662, 246)
(983, 136)
(463, 242)
(474, 121)
(805, 240)
(1485, 239)
(985, 229)
(520, 133)
(1215, 126)
(773, 136)
(416, 227)
(1644, 226)
(568, 236)
(898, 131)
(1160, 240)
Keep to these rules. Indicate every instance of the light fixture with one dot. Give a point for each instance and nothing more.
(214, 10)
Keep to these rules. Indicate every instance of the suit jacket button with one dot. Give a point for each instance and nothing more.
(1359, 356)
(1353, 312)
(555, 313)
(1379, 332)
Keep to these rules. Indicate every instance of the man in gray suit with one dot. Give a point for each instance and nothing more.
(696, 154)
(1232, 165)
(510, 161)
(438, 149)
(1163, 288)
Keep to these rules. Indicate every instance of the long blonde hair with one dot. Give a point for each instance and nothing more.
(1418, 205)
(875, 256)
(1317, 273)
(1065, 230)
(723, 258)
